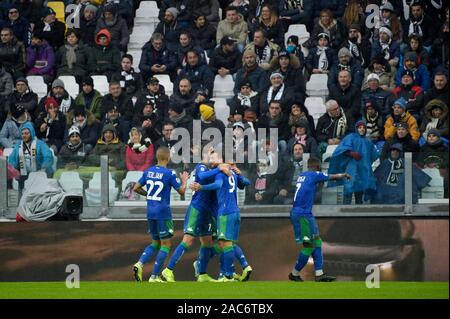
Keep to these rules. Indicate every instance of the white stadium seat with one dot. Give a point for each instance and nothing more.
(317, 85)
(147, 12)
(223, 86)
(70, 85)
(37, 85)
(71, 182)
(93, 192)
(101, 84)
(221, 109)
(34, 175)
(436, 188)
(164, 80)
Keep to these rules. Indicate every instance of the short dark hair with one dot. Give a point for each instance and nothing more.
(231, 8)
(168, 123)
(129, 57)
(313, 162)
(114, 82)
(72, 31)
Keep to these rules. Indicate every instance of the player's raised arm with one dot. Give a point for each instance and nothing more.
(184, 177)
(339, 176)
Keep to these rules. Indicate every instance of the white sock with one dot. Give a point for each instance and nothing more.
(319, 272)
(295, 272)
(140, 264)
(154, 276)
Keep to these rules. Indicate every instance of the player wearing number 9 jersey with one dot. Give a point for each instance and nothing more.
(158, 181)
(305, 226)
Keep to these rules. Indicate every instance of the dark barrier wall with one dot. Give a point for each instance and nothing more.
(408, 249)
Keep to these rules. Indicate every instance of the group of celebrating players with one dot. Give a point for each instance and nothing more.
(214, 217)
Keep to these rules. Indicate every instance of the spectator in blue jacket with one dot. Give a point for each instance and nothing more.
(421, 74)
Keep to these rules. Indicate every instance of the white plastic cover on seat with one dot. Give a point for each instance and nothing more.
(140, 35)
(315, 106)
(34, 175)
(147, 12)
(93, 192)
(70, 85)
(164, 80)
(223, 86)
(221, 109)
(436, 188)
(37, 85)
(71, 182)
(101, 84)
(132, 176)
(329, 151)
(317, 85)
(136, 54)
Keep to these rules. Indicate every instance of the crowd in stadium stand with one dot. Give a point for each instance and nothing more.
(387, 87)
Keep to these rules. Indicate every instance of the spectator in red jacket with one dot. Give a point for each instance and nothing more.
(139, 151)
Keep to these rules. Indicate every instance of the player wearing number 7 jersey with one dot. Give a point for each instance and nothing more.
(305, 226)
(158, 181)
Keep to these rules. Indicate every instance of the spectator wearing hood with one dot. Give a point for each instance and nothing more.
(140, 151)
(386, 46)
(59, 93)
(321, 58)
(233, 26)
(12, 53)
(371, 115)
(203, 32)
(73, 153)
(22, 95)
(290, 68)
(411, 93)
(355, 156)
(374, 93)
(434, 153)
(106, 56)
(169, 28)
(198, 73)
(51, 125)
(110, 145)
(226, 58)
(435, 117)
(346, 62)
(439, 90)
(116, 25)
(420, 73)
(130, 80)
(402, 137)
(18, 24)
(386, 74)
(90, 98)
(88, 24)
(52, 30)
(40, 58)
(88, 125)
(31, 154)
(74, 58)
(251, 72)
(156, 58)
(10, 134)
(117, 98)
(400, 115)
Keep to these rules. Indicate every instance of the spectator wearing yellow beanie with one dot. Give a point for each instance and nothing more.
(207, 113)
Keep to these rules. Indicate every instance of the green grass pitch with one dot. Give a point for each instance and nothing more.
(247, 290)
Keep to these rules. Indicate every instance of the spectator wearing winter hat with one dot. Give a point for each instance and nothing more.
(12, 53)
(289, 66)
(169, 29)
(59, 93)
(74, 57)
(90, 98)
(225, 59)
(106, 56)
(386, 46)
(321, 58)
(51, 125)
(52, 30)
(18, 24)
(359, 46)
(148, 121)
(10, 134)
(434, 153)
(435, 117)
(116, 25)
(411, 93)
(88, 23)
(355, 155)
(209, 120)
(113, 117)
(40, 58)
(374, 93)
(88, 125)
(421, 75)
(371, 114)
(22, 95)
(402, 137)
(180, 118)
(389, 19)
(73, 153)
(329, 25)
(401, 115)
(293, 47)
(110, 145)
(154, 93)
(140, 151)
(346, 62)
(278, 91)
(386, 74)
(118, 98)
(178, 9)
(245, 99)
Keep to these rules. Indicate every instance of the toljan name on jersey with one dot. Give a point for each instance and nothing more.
(155, 175)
